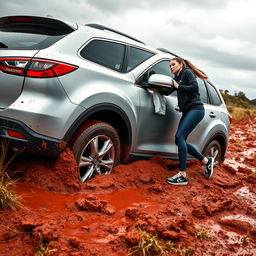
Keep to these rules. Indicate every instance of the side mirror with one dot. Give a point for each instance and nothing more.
(158, 81)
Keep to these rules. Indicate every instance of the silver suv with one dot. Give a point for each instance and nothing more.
(86, 87)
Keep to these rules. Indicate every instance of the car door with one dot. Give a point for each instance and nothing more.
(156, 133)
(210, 126)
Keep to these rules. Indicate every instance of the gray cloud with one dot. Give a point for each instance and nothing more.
(71, 10)
(222, 58)
(124, 5)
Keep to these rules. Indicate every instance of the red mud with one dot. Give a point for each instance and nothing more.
(102, 217)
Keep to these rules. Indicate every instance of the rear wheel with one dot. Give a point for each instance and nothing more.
(96, 149)
(213, 149)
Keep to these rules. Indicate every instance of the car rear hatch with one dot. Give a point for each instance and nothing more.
(21, 37)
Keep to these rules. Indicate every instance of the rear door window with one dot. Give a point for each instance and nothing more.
(105, 53)
(136, 56)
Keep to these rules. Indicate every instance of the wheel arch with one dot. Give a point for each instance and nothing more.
(110, 114)
(221, 138)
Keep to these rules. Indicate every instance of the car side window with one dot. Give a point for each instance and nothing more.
(136, 57)
(105, 53)
(203, 91)
(214, 96)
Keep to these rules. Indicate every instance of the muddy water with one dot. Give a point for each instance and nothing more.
(102, 217)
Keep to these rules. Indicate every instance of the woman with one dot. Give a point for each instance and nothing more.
(192, 113)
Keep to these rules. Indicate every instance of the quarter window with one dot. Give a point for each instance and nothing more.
(136, 57)
(202, 91)
(105, 53)
(214, 96)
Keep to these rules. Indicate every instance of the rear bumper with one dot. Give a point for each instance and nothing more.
(32, 141)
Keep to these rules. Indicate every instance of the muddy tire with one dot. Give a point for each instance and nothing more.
(96, 149)
(213, 149)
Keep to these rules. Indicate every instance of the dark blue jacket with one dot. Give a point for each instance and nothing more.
(188, 91)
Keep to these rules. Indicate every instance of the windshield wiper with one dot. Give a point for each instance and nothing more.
(2, 45)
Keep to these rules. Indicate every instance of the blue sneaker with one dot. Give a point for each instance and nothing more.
(177, 179)
(208, 168)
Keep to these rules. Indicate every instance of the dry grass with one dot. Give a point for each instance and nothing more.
(203, 234)
(4, 163)
(186, 251)
(150, 245)
(3, 153)
(246, 239)
(43, 248)
(169, 247)
(8, 198)
(239, 113)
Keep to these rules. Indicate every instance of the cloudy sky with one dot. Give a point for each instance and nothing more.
(216, 35)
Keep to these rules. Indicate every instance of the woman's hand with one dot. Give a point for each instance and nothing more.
(175, 84)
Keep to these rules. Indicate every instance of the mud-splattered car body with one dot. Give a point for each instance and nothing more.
(86, 86)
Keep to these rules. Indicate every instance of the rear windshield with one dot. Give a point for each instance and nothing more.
(26, 41)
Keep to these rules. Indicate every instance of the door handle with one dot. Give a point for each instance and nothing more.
(177, 109)
(212, 115)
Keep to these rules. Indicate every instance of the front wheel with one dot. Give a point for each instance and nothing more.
(96, 149)
(213, 149)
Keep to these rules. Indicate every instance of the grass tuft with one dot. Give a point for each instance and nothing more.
(246, 239)
(149, 245)
(43, 248)
(169, 247)
(203, 234)
(8, 198)
(186, 251)
(4, 144)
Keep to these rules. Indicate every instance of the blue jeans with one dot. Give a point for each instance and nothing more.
(186, 125)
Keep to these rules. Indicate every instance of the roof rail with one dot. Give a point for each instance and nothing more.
(102, 27)
(166, 51)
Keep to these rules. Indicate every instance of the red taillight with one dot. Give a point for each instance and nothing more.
(15, 134)
(14, 71)
(20, 19)
(35, 67)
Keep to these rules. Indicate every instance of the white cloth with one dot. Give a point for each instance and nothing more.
(159, 103)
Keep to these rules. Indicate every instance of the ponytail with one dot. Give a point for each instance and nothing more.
(188, 64)
(198, 73)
